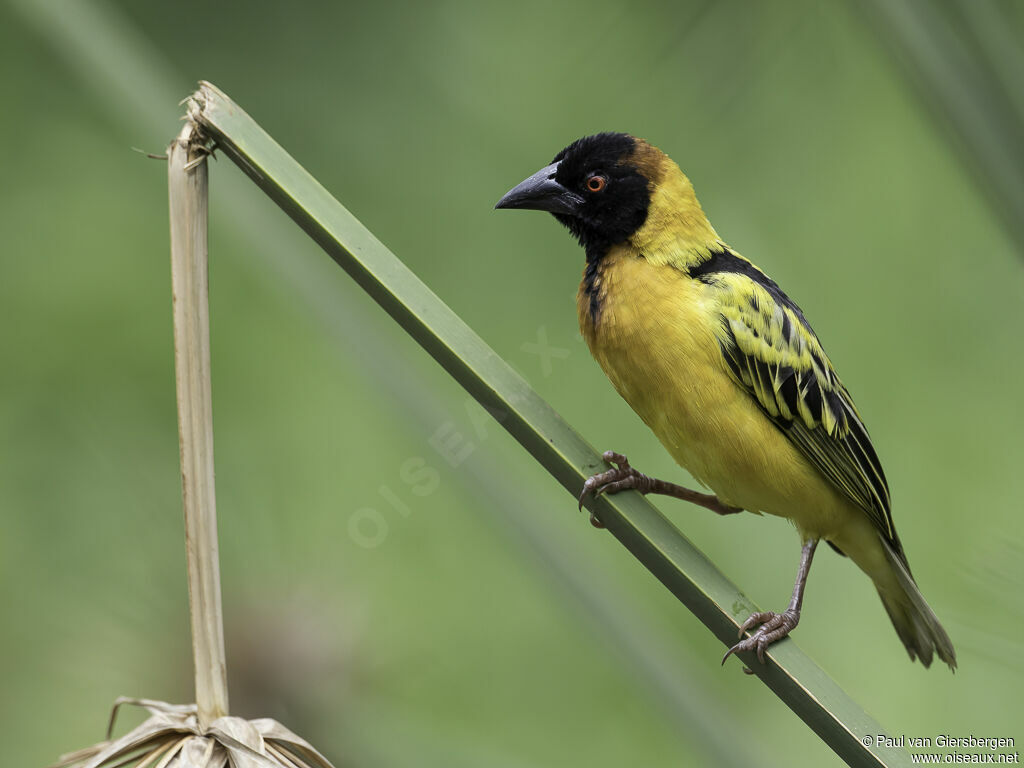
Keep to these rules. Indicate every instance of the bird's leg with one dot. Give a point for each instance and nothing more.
(775, 626)
(624, 478)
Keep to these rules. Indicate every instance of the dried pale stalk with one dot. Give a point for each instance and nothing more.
(200, 735)
(188, 192)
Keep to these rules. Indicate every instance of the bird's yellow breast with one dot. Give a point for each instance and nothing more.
(652, 329)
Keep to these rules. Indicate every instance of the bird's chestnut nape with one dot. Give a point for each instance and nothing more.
(593, 187)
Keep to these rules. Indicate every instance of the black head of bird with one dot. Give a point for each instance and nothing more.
(599, 187)
(613, 188)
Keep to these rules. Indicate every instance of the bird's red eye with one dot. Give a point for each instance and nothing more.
(596, 183)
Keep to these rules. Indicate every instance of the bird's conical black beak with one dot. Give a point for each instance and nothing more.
(541, 192)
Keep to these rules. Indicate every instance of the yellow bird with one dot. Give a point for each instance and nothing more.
(726, 371)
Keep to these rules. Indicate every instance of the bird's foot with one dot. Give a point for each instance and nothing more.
(624, 478)
(774, 626)
(620, 478)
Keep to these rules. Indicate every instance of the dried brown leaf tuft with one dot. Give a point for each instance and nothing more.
(172, 738)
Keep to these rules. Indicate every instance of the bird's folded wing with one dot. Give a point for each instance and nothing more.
(776, 356)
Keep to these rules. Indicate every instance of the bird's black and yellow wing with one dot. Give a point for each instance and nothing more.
(775, 355)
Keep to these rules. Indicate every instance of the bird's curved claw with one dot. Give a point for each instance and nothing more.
(619, 478)
(774, 627)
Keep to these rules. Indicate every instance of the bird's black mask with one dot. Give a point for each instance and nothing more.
(593, 187)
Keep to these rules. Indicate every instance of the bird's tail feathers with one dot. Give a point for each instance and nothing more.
(915, 622)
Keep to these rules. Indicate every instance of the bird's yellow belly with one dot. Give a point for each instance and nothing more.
(654, 338)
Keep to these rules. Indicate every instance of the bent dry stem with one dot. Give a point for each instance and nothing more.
(188, 195)
(639, 526)
(200, 735)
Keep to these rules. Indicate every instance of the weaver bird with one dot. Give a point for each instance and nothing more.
(726, 371)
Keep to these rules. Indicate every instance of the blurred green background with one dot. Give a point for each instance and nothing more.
(402, 607)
